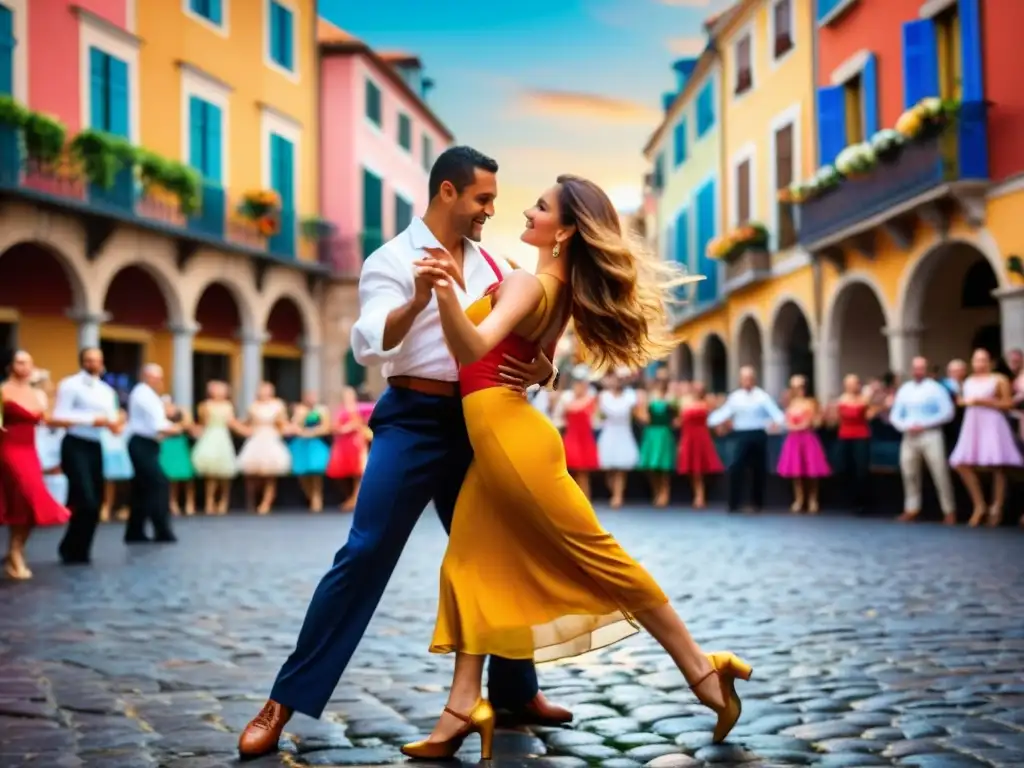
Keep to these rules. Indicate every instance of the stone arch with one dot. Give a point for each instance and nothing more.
(163, 274)
(291, 286)
(683, 363)
(866, 352)
(749, 344)
(792, 346)
(238, 280)
(715, 363)
(942, 313)
(86, 298)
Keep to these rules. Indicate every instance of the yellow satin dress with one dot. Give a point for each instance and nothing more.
(529, 572)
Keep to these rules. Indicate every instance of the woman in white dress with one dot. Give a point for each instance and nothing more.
(264, 456)
(48, 441)
(617, 450)
(213, 455)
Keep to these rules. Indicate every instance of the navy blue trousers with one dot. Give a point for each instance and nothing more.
(420, 451)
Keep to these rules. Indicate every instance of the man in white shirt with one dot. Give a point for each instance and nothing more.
(147, 425)
(420, 450)
(921, 408)
(88, 405)
(750, 412)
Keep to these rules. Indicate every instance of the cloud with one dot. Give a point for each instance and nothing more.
(587, 105)
(687, 46)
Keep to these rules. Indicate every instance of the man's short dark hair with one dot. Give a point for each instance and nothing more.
(458, 165)
(85, 351)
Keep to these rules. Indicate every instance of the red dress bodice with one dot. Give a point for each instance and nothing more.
(24, 497)
(853, 422)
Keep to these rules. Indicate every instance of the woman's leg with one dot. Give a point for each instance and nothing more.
(995, 512)
(109, 495)
(812, 495)
(617, 486)
(190, 497)
(798, 495)
(699, 491)
(316, 493)
(268, 495)
(225, 496)
(465, 692)
(210, 487)
(17, 538)
(583, 481)
(973, 485)
(174, 492)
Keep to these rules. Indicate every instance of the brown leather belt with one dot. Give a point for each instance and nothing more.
(425, 386)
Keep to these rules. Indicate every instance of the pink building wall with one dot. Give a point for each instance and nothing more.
(54, 77)
(350, 142)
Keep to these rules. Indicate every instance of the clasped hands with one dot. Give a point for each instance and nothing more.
(437, 273)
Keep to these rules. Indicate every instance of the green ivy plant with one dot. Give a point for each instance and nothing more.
(103, 156)
(44, 137)
(174, 177)
(316, 228)
(12, 112)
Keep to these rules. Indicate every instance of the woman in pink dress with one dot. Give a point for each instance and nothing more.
(580, 444)
(25, 501)
(697, 455)
(348, 453)
(986, 440)
(802, 459)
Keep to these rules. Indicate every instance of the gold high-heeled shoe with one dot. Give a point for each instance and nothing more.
(479, 720)
(728, 667)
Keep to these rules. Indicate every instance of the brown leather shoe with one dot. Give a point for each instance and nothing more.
(538, 711)
(263, 732)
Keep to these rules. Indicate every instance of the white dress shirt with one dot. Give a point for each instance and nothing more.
(81, 399)
(748, 410)
(147, 416)
(388, 281)
(925, 404)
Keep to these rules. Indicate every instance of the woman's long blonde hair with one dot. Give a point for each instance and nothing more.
(621, 293)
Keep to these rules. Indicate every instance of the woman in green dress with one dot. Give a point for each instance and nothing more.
(657, 412)
(176, 460)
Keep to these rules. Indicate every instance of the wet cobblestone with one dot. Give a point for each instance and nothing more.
(874, 645)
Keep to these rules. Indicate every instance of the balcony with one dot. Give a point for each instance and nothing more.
(747, 267)
(930, 181)
(215, 225)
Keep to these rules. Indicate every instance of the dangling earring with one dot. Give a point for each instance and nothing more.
(556, 250)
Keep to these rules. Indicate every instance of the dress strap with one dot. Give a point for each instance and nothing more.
(492, 264)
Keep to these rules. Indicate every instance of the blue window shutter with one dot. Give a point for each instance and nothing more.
(282, 170)
(212, 140)
(288, 44)
(215, 12)
(920, 61)
(973, 86)
(679, 140)
(831, 123)
(707, 289)
(275, 31)
(197, 134)
(7, 45)
(118, 97)
(683, 239)
(98, 89)
(869, 92)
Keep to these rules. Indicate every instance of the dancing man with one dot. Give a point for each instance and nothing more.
(88, 405)
(420, 450)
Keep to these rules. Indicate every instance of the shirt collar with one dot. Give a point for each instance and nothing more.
(421, 237)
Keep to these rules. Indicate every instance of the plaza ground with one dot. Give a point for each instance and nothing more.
(873, 643)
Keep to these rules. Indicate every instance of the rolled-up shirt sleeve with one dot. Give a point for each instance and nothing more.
(64, 406)
(384, 285)
(723, 413)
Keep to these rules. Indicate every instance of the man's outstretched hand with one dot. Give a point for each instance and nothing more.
(518, 375)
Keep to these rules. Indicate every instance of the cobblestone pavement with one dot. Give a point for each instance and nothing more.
(874, 644)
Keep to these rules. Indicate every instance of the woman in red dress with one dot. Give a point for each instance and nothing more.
(697, 454)
(580, 443)
(25, 501)
(348, 453)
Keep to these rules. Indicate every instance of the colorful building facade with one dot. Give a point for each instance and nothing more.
(380, 140)
(226, 88)
(862, 258)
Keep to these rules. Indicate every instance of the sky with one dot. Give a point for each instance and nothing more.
(543, 86)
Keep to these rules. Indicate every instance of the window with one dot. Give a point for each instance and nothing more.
(705, 109)
(405, 131)
(920, 61)
(373, 212)
(108, 84)
(282, 36)
(373, 104)
(744, 65)
(282, 181)
(659, 172)
(782, 28)
(428, 153)
(7, 44)
(707, 289)
(785, 172)
(682, 247)
(743, 193)
(853, 94)
(680, 142)
(210, 10)
(205, 136)
(950, 54)
(403, 213)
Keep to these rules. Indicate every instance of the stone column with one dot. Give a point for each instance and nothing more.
(252, 369)
(698, 373)
(182, 360)
(826, 370)
(312, 368)
(1011, 316)
(89, 327)
(775, 371)
(904, 346)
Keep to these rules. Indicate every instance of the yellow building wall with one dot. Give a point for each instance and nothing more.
(1003, 220)
(777, 87)
(695, 331)
(237, 60)
(762, 299)
(52, 341)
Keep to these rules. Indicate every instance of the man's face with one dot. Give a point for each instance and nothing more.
(471, 209)
(155, 379)
(746, 378)
(919, 368)
(1015, 360)
(92, 362)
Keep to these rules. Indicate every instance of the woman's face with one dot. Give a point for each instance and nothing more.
(22, 366)
(981, 361)
(348, 397)
(580, 387)
(543, 221)
(697, 390)
(796, 385)
(266, 391)
(851, 385)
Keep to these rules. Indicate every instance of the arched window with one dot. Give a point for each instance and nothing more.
(979, 282)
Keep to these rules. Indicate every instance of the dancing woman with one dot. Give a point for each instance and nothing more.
(520, 519)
